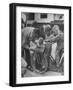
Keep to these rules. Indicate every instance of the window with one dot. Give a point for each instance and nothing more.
(30, 16)
(43, 15)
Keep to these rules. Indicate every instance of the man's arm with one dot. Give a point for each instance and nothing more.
(50, 37)
(55, 38)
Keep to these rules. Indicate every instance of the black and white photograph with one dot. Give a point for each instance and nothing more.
(40, 39)
(42, 44)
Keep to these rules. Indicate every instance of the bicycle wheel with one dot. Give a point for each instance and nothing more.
(39, 62)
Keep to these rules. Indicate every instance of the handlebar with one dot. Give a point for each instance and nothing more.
(48, 42)
(34, 49)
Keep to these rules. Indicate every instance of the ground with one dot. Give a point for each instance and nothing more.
(52, 71)
(33, 74)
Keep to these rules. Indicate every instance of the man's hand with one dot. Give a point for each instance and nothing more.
(27, 47)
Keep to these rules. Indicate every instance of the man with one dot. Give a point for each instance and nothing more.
(47, 30)
(26, 34)
(58, 37)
